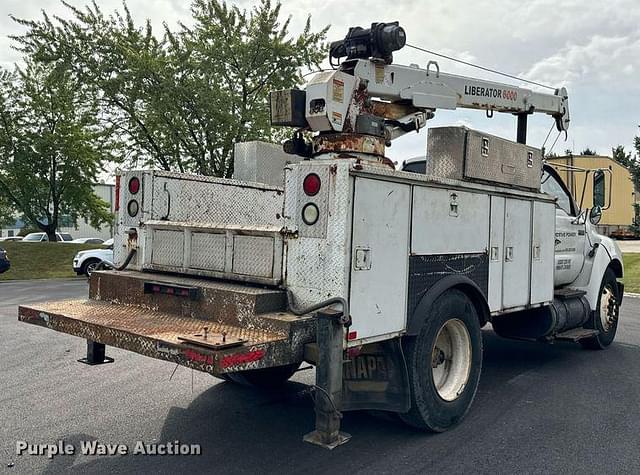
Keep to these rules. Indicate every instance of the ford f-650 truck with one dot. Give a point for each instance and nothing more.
(381, 278)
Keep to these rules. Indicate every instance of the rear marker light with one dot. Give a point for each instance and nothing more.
(134, 185)
(311, 184)
(133, 208)
(117, 204)
(352, 335)
(310, 214)
(175, 290)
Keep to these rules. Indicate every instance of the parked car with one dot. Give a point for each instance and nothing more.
(42, 237)
(4, 261)
(88, 241)
(85, 262)
(11, 238)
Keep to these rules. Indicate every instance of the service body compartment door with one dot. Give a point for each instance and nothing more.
(542, 252)
(449, 222)
(380, 256)
(517, 253)
(496, 253)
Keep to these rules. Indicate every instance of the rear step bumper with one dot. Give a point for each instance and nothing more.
(239, 336)
(157, 335)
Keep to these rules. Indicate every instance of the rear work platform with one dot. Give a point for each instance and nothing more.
(211, 326)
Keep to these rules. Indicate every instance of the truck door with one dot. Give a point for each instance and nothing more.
(570, 236)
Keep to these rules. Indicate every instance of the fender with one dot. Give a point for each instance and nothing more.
(607, 255)
(461, 282)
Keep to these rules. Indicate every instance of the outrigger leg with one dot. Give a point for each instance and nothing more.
(328, 394)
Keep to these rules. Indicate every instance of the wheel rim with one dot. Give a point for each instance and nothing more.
(451, 359)
(91, 267)
(608, 308)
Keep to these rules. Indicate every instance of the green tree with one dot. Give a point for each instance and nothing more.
(588, 151)
(623, 158)
(628, 161)
(50, 149)
(180, 102)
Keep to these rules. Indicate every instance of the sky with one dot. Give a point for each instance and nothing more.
(591, 47)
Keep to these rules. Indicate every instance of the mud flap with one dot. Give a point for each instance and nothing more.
(376, 378)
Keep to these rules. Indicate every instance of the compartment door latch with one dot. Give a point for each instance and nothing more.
(362, 259)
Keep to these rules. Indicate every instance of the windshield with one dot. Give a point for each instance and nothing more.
(33, 237)
(553, 187)
(65, 237)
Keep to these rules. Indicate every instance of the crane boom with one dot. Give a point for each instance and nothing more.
(430, 89)
(367, 101)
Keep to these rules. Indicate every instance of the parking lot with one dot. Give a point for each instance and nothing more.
(540, 408)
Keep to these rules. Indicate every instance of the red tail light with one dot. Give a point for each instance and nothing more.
(311, 184)
(134, 185)
(117, 205)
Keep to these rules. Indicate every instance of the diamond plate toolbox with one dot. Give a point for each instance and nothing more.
(463, 154)
(205, 226)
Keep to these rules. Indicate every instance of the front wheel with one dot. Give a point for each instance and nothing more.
(605, 317)
(444, 363)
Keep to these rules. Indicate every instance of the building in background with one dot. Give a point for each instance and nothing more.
(81, 229)
(620, 214)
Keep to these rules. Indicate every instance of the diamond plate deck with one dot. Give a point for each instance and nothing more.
(156, 334)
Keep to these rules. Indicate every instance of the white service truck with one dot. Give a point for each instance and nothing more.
(381, 278)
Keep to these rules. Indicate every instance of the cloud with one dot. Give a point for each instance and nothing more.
(600, 60)
(592, 46)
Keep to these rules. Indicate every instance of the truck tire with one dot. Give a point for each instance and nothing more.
(444, 362)
(267, 378)
(605, 317)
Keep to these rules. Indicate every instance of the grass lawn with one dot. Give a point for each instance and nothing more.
(41, 260)
(632, 273)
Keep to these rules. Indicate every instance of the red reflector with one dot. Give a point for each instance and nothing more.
(117, 205)
(311, 184)
(134, 185)
(352, 335)
(242, 358)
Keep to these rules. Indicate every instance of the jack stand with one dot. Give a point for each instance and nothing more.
(95, 354)
(328, 395)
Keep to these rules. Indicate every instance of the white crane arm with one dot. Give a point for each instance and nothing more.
(430, 89)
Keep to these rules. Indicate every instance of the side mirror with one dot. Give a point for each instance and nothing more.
(595, 215)
(598, 189)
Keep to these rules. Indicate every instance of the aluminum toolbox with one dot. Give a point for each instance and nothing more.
(202, 226)
(261, 162)
(463, 154)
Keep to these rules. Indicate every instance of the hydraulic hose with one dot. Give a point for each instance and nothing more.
(312, 308)
(111, 265)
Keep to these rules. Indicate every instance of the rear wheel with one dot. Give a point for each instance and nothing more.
(444, 363)
(265, 377)
(605, 318)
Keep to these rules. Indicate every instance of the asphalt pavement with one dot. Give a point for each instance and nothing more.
(540, 408)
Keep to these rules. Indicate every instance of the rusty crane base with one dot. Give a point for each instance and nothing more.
(215, 327)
